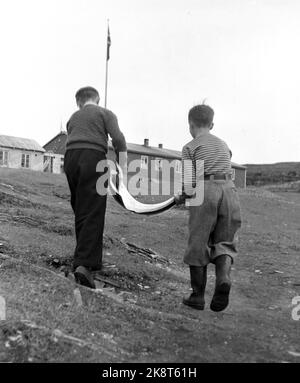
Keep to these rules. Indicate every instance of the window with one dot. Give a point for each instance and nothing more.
(25, 160)
(178, 166)
(144, 162)
(233, 174)
(158, 164)
(3, 158)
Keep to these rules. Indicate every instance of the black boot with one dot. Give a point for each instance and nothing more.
(220, 299)
(84, 277)
(198, 284)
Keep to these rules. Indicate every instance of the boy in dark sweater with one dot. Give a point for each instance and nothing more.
(213, 222)
(87, 145)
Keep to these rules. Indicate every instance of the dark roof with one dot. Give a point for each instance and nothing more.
(153, 151)
(58, 145)
(165, 153)
(238, 166)
(20, 143)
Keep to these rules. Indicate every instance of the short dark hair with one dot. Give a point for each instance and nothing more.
(85, 94)
(201, 115)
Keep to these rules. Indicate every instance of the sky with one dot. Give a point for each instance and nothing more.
(240, 56)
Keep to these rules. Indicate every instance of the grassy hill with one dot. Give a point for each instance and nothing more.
(136, 314)
(277, 173)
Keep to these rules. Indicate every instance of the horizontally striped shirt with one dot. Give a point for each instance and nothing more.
(206, 154)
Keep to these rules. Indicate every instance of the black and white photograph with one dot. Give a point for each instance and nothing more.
(149, 185)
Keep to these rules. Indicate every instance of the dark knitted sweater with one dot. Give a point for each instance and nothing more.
(89, 127)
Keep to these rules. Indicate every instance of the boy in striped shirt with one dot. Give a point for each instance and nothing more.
(213, 222)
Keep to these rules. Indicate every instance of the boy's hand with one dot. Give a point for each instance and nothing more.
(179, 198)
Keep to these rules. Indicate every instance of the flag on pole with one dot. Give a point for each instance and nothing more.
(108, 43)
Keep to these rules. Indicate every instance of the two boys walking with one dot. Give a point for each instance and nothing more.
(212, 224)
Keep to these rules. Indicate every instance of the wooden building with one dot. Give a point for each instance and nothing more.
(55, 152)
(18, 153)
(151, 162)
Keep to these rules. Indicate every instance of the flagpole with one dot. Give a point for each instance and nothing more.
(107, 58)
(106, 77)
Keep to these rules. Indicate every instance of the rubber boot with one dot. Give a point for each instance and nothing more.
(220, 299)
(198, 284)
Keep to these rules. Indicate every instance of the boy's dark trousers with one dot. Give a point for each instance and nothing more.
(89, 207)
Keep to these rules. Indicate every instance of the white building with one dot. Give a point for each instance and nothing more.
(18, 153)
(144, 153)
(55, 153)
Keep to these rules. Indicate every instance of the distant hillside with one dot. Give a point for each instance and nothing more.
(278, 173)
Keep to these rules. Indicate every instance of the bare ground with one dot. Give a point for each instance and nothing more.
(136, 313)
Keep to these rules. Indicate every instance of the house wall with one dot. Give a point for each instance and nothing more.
(15, 158)
(155, 178)
(58, 163)
(152, 180)
(240, 178)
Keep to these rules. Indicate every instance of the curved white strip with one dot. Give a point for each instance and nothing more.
(131, 203)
